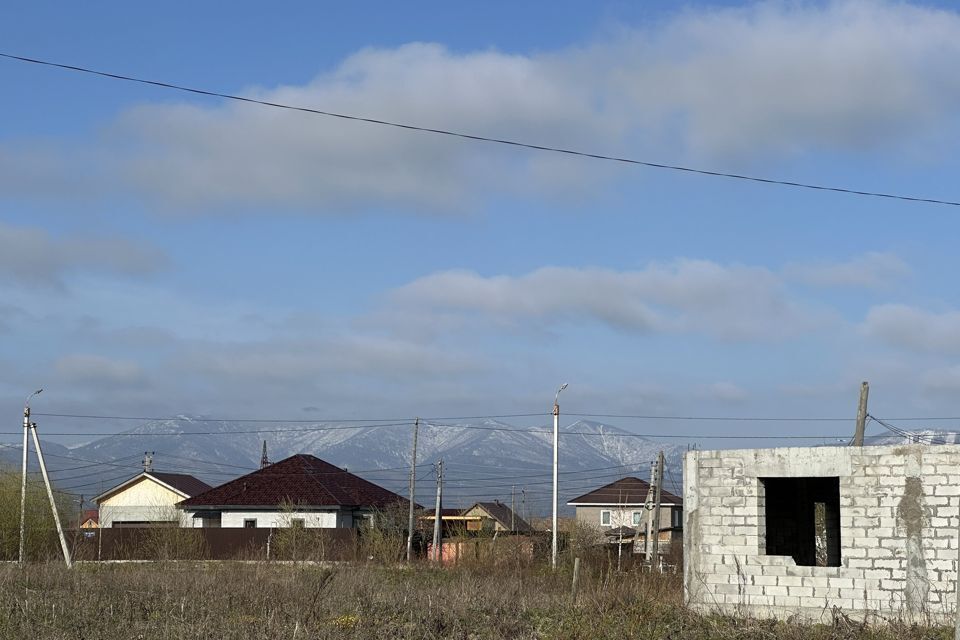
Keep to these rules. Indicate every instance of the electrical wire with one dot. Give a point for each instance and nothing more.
(633, 435)
(132, 434)
(410, 420)
(939, 437)
(707, 418)
(479, 138)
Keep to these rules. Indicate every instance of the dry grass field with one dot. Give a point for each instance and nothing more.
(252, 601)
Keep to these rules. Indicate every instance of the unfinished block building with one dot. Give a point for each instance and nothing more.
(777, 532)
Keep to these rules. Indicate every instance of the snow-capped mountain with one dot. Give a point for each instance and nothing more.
(919, 436)
(484, 459)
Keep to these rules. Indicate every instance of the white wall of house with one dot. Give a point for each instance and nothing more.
(143, 501)
(610, 516)
(278, 519)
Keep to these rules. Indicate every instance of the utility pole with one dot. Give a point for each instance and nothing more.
(437, 539)
(264, 461)
(556, 458)
(53, 503)
(23, 476)
(861, 414)
(656, 509)
(523, 504)
(513, 508)
(147, 461)
(648, 508)
(413, 489)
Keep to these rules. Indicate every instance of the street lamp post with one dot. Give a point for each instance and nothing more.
(556, 450)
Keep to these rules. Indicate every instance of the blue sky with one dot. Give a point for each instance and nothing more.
(164, 253)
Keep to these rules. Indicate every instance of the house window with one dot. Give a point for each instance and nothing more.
(297, 523)
(637, 518)
(250, 523)
(605, 518)
(676, 518)
(801, 519)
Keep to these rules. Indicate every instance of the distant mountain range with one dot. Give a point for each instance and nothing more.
(486, 459)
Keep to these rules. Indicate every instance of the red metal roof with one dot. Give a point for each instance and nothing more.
(302, 480)
(627, 490)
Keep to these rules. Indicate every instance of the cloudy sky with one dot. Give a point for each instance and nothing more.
(166, 253)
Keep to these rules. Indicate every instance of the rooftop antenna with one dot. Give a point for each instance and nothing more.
(148, 461)
(263, 456)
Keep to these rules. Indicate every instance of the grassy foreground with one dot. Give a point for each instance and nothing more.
(259, 601)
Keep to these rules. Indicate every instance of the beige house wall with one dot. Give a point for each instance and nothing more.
(143, 501)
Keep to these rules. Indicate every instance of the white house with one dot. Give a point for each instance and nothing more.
(301, 490)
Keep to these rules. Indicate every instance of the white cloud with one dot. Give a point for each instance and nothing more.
(765, 81)
(731, 302)
(873, 270)
(783, 78)
(33, 256)
(253, 155)
(914, 329)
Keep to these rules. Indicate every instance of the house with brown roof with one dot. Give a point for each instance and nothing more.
(301, 490)
(496, 516)
(619, 509)
(492, 516)
(149, 499)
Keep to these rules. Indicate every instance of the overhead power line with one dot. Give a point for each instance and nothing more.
(706, 418)
(607, 434)
(399, 419)
(134, 434)
(479, 138)
(409, 420)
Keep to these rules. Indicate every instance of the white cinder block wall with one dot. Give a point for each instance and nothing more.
(898, 530)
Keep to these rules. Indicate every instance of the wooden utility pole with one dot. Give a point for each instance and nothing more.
(437, 539)
(413, 489)
(656, 510)
(513, 508)
(861, 414)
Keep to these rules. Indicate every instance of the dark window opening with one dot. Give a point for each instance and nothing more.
(297, 523)
(801, 517)
(250, 524)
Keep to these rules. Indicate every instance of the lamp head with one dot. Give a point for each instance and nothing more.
(35, 393)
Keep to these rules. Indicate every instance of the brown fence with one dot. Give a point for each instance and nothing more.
(214, 544)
